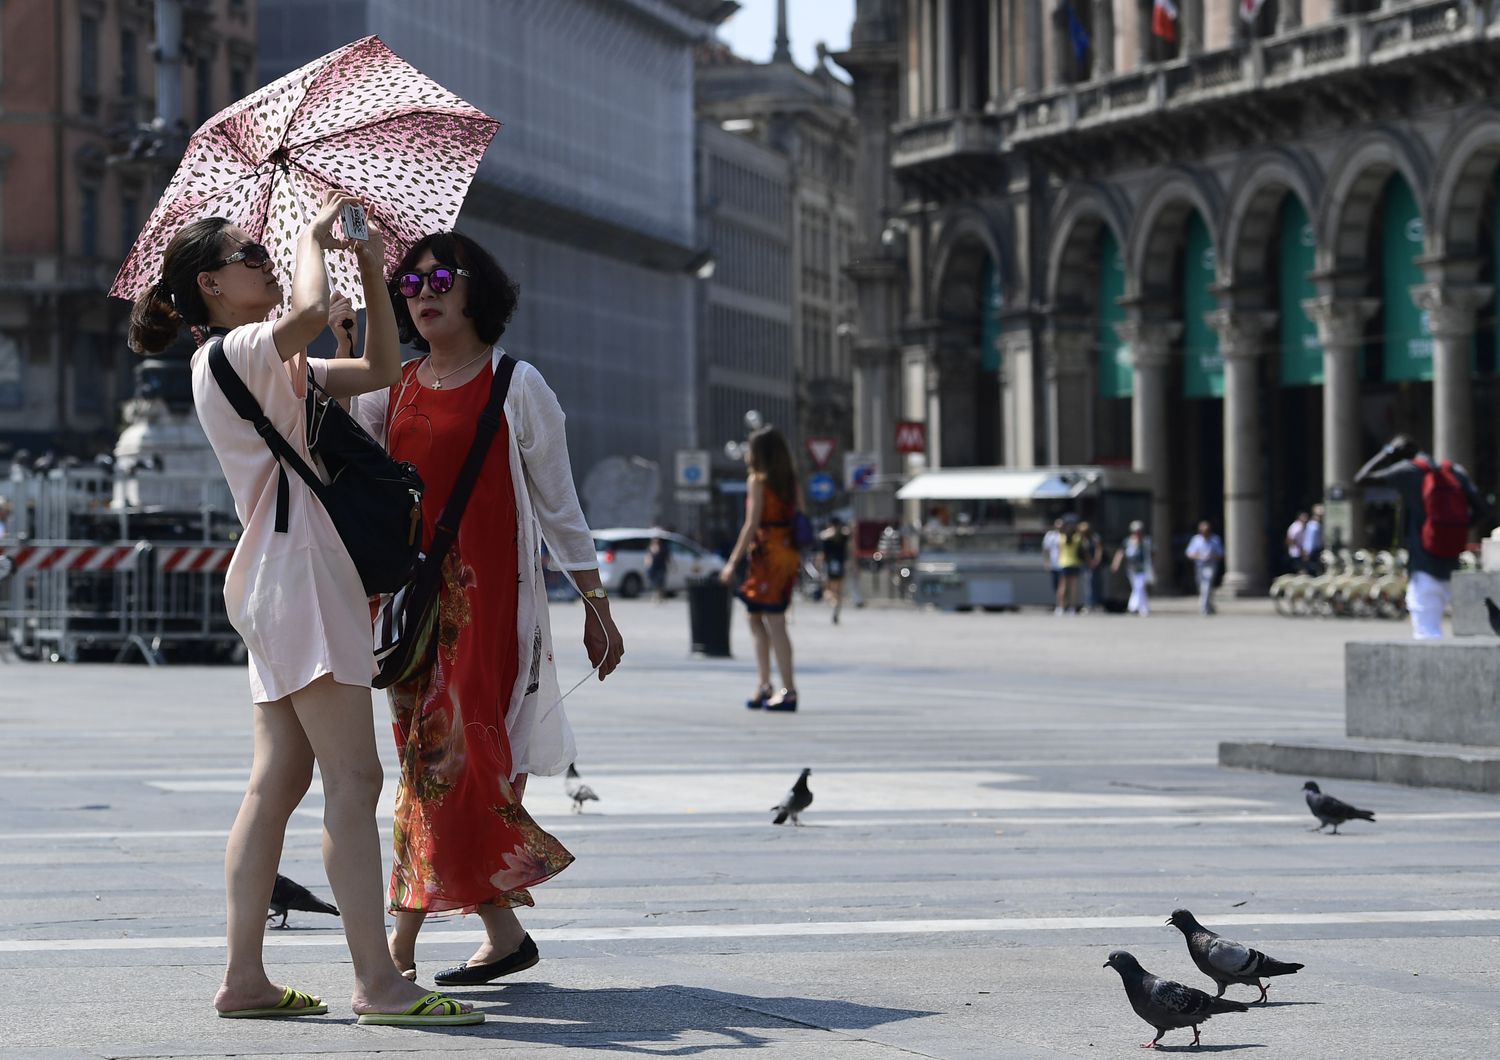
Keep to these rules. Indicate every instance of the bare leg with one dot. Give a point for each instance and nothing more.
(279, 777)
(836, 595)
(762, 649)
(339, 724)
(781, 644)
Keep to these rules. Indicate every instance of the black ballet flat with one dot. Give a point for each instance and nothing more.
(787, 703)
(525, 956)
(760, 699)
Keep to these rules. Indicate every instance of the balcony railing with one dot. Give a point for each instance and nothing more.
(944, 136)
(1365, 41)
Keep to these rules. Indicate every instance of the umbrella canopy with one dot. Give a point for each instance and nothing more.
(360, 120)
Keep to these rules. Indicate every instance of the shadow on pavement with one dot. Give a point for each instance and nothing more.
(639, 1020)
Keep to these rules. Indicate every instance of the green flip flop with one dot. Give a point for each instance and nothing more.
(292, 1003)
(434, 1010)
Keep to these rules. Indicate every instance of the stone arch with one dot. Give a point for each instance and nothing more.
(1158, 229)
(1352, 195)
(1082, 212)
(1250, 226)
(967, 236)
(1462, 180)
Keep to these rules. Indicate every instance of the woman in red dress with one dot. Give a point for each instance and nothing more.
(772, 499)
(488, 712)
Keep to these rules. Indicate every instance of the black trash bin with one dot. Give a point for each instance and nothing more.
(710, 606)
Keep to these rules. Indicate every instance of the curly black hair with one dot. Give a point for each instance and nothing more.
(493, 295)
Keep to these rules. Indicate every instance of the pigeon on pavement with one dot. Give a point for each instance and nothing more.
(1331, 811)
(797, 800)
(1494, 610)
(577, 790)
(289, 894)
(1224, 961)
(1164, 1004)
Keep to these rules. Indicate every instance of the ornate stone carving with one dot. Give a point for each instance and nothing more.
(1341, 321)
(1069, 352)
(1241, 331)
(1150, 341)
(1451, 310)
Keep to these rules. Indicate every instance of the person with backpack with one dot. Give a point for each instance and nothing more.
(1439, 503)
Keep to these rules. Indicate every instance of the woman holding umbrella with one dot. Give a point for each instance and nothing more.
(488, 712)
(293, 594)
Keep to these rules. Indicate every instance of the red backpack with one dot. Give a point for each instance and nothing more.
(1445, 529)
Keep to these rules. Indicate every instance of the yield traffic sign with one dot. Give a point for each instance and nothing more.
(821, 448)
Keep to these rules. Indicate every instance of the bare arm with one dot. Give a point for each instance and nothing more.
(757, 495)
(308, 314)
(1392, 448)
(381, 364)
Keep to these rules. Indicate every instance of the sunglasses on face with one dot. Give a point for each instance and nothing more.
(439, 279)
(253, 255)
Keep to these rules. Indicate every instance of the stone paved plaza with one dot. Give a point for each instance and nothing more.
(1000, 801)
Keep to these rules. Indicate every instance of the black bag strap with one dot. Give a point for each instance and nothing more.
(484, 434)
(244, 403)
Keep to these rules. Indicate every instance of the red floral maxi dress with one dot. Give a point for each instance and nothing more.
(462, 838)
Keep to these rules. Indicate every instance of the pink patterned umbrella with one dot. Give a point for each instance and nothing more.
(361, 120)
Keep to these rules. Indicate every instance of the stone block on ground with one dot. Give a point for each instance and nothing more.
(1434, 691)
(1470, 588)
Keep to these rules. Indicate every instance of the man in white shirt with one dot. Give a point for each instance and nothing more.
(1206, 549)
(1293, 541)
(1312, 541)
(1051, 541)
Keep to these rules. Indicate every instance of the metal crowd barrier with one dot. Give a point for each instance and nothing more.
(62, 599)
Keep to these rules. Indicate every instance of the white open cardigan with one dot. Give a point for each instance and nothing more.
(541, 740)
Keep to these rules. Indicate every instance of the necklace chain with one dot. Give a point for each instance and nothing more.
(437, 380)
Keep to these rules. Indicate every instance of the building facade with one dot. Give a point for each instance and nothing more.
(78, 80)
(798, 130)
(586, 196)
(1235, 255)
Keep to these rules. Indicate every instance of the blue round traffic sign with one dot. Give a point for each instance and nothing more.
(692, 473)
(820, 487)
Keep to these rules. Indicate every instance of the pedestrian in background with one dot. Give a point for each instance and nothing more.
(1312, 541)
(1092, 550)
(1206, 550)
(1293, 541)
(487, 713)
(772, 498)
(1438, 505)
(292, 592)
(1134, 557)
(1050, 542)
(4, 517)
(1069, 568)
(658, 559)
(833, 542)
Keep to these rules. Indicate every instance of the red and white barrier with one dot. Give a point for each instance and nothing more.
(74, 557)
(198, 559)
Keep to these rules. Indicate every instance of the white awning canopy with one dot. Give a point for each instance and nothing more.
(994, 484)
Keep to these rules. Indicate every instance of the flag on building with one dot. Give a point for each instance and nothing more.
(1164, 20)
(1079, 34)
(1249, 9)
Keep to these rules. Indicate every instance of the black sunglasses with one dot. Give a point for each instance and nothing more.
(253, 255)
(439, 279)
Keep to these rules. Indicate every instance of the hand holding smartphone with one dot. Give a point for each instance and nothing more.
(353, 216)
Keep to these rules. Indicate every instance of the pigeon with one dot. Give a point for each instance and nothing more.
(797, 800)
(289, 894)
(1224, 961)
(578, 791)
(1494, 610)
(1331, 811)
(1164, 1004)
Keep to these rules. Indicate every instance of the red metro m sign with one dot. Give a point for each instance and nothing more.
(911, 437)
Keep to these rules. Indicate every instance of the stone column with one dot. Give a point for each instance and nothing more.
(1288, 16)
(1103, 45)
(1341, 331)
(1451, 311)
(943, 75)
(997, 52)
(1018, 416)
(1150, 343)
(1241, 342)
(1070, 414)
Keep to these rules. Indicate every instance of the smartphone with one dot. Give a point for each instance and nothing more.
(353, 217)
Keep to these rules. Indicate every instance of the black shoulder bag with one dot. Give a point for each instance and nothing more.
(375, 502)
(406, 630)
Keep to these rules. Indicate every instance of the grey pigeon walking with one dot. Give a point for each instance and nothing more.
(287, 895)
(1164, 1004)
(1224, 961)
(1331, 811)
(797, 800)
(577, 790)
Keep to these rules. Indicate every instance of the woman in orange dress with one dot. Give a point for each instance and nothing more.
(488, 713)
(772, 499)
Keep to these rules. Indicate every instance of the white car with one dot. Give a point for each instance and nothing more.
(622, 560)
